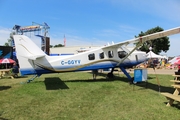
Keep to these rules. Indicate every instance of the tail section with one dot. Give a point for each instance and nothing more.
(27, 51)
(25, 47)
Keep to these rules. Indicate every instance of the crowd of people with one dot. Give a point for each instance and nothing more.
(154, 63)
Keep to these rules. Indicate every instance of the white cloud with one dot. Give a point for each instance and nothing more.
(108, 32)
(128, 29)
(120, 33)
(70, 39)
(4, 35)
(76, 41)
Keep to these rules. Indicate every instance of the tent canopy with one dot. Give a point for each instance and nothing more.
(153, 55)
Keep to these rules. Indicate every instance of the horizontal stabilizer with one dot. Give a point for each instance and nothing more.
(34, 57)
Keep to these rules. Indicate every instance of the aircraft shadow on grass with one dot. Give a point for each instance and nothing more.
(104, 79)
(4, 87)
(155, 87)
(55, 83)
(143, 85)
(1, 118)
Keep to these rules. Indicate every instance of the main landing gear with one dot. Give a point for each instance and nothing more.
(111, 75)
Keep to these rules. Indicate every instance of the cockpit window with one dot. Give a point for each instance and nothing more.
(110, 54)
(122, 54)
(101, 55)
(91, 56)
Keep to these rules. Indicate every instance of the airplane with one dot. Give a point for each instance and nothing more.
(33, 61)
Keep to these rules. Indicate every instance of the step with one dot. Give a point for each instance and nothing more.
(171, 96)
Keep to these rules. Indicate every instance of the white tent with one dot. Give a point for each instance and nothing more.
(151, 54)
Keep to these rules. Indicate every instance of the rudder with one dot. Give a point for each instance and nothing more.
(27, 51)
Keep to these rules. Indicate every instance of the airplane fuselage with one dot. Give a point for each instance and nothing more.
(90, 60)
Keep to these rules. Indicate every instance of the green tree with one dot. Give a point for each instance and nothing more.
(158, 45)
(59, 45)
(51, 46)
(6, 44)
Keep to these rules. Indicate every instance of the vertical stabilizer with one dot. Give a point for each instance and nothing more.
(27, 52)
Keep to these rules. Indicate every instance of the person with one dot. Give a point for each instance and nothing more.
(163, 63)
(15, 70)
(95, 73)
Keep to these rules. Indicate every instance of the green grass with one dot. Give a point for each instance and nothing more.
(75, 96)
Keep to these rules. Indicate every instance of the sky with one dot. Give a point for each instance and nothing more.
(91, 22)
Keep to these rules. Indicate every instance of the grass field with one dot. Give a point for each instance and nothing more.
(75, 96)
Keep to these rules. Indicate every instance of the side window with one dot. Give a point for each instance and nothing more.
(122, 54)
(101, 55)
(91, 56)
(110, 54)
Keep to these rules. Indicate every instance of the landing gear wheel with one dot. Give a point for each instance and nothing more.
(110, 75)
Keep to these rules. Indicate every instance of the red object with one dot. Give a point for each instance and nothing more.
(6, 60)
(177, 62)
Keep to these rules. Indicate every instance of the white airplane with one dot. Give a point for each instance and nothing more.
(32, 60)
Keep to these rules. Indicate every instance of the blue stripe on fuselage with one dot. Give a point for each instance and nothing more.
(102, 65)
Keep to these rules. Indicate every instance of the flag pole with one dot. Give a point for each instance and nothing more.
(64, 41)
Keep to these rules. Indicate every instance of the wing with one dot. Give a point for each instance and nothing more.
(143, 39)
(147, 37)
